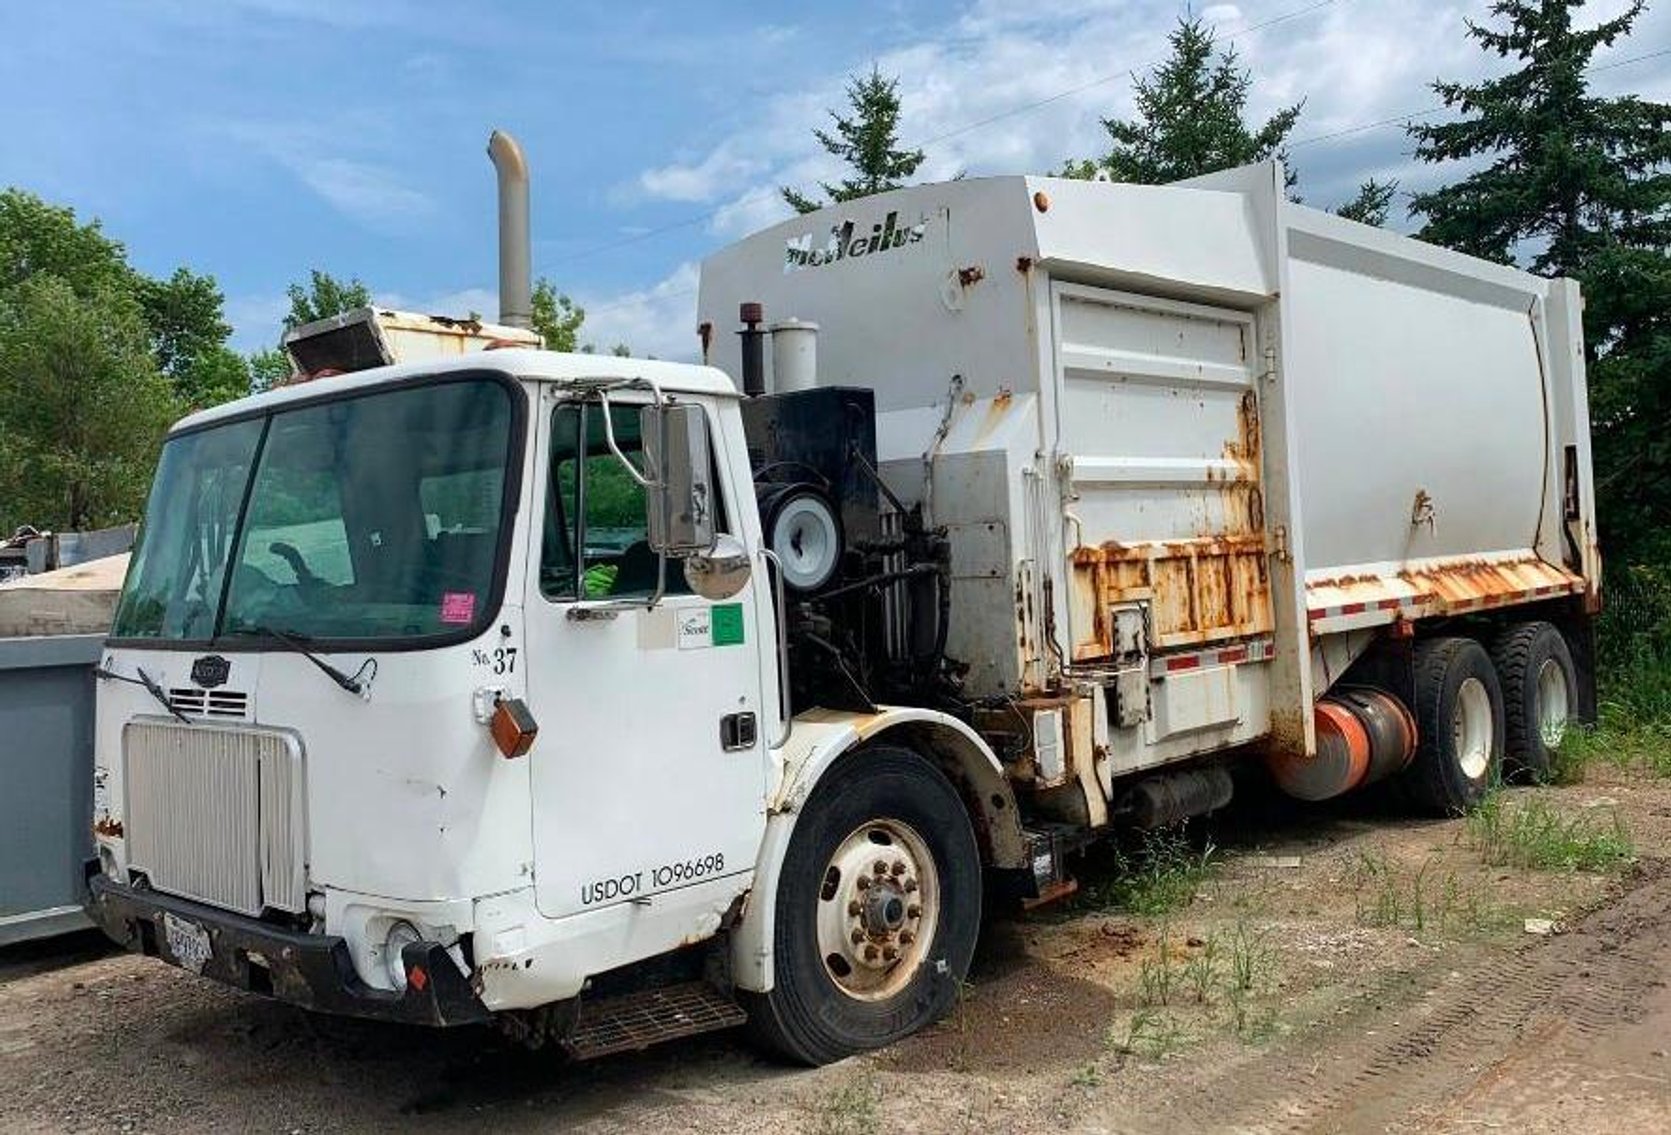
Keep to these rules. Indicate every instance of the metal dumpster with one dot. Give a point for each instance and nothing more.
(46, 782)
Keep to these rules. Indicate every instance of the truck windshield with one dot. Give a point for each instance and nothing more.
(372, 517)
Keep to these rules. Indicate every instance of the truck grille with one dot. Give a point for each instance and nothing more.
(210, 703)
(215, 814)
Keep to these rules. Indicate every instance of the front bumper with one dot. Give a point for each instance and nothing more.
(314, 971)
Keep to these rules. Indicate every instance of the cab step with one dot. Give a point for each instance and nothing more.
(635, 1021)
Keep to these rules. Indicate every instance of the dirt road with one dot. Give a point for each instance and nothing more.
(1354, 974)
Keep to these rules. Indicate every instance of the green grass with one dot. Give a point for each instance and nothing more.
(1633, 646)
(1535, 836)
(1158, 875)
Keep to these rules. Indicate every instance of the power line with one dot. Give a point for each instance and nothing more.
(1411, 116)
(1025, 108)
(648, 296)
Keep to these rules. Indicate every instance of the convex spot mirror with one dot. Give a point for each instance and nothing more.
(720, 572)
(680, 499)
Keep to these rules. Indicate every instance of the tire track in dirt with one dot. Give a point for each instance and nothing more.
(1544, 993)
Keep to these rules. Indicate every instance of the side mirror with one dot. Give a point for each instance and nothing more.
(721, 571)
(680, 499)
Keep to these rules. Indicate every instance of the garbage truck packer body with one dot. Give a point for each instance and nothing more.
(613, 700)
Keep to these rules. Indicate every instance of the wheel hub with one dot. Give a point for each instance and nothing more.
(877, 910)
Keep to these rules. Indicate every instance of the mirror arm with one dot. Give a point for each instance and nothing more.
(645, 480)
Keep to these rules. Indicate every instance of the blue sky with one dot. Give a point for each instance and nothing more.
(255, 139)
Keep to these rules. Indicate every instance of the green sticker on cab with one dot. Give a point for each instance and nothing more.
(727, 624)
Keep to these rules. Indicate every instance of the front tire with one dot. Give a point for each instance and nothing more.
(1459, 723)
(878, 909)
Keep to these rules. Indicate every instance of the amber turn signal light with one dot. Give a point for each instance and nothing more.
(513, 727)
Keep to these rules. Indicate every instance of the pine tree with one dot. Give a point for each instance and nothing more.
(868, 142)
(1189, 117)
(1582, 186)
(1372, 204)
(1570, 172)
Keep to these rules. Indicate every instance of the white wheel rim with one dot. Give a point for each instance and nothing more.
(878, 907)
(1472, 728)
(1553, 710)
(804, 538)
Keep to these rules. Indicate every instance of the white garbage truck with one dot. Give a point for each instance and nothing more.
(614, 700)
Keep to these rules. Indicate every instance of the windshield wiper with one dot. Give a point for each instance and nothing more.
(358, 682)
(151, 686)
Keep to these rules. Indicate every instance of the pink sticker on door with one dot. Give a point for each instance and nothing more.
(458, 606)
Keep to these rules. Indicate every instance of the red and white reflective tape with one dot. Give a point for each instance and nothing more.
(1258, 650)
(1410, 607)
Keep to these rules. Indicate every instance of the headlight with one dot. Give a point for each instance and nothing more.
(401, 934)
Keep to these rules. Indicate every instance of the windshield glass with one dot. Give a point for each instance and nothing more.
(371, 517)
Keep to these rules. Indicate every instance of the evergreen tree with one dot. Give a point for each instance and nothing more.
(1582, 186)
(1372, 204)
(1189, 118)
(868, 142)
(1572, 173)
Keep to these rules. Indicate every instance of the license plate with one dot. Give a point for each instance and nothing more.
(187, 941)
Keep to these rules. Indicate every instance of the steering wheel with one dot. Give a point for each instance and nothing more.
(304, 574)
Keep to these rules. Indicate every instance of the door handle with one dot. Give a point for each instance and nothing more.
(738, 731)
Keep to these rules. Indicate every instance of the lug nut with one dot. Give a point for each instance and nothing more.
(899, 868)
(870, 953)
(858, 936)
(906, 937)
(889, 954)
(880, 867)
(864, 882)
(913, 911)
(854, 907)
(910, 885)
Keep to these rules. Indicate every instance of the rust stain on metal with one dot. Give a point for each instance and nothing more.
(995, 411)
(108, 827)
(1024, 264)
(970, 276)
(1203, 589)
(1455, 584)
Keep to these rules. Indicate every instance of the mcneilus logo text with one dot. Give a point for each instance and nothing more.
(846, 242)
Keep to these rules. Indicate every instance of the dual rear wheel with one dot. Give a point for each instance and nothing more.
(1480, 713)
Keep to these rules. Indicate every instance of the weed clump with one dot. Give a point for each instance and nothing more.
(1157, 876)
(1535, 836)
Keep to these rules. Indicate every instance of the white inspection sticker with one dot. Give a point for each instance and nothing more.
(696, 628)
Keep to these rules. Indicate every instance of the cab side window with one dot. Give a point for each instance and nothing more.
(595, 542)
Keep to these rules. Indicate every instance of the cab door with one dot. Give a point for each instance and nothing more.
(648, 777)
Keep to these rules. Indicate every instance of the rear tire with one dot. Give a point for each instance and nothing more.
(1540, 695)
(1459, 723)
(833, 996)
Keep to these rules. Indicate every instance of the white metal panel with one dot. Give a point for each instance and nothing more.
(1158, 421)
(1405, 391)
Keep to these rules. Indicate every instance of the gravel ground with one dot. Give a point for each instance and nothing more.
(1338, 970)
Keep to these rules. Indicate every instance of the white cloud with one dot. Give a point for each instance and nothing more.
(703, 181)
(1006, 89)
(659, 320)
(367, 191)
